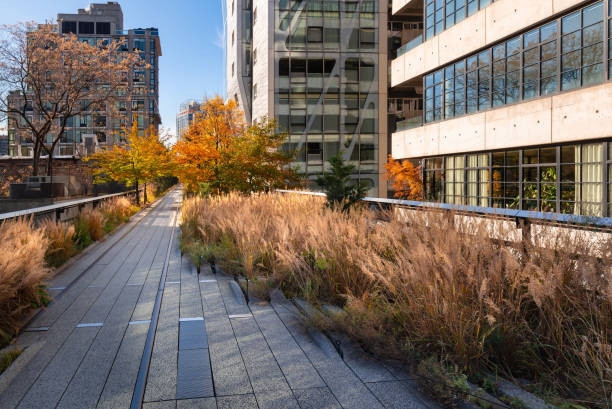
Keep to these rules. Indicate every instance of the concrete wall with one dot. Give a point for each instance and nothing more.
(263, 69)
(489, 25)
(77, 173)
(571, 116)
(398, 5)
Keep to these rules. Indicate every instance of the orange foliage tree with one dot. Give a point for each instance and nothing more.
(407, 179)
(221, 153)
(142, 159)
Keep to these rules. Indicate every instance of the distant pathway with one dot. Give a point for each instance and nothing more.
(209, 349)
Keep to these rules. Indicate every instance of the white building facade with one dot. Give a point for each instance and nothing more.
(517, 98)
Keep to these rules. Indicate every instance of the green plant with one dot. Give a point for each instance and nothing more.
(443, 382)
(8, 357)
(60, 238)
(342, 192)
(199, 253)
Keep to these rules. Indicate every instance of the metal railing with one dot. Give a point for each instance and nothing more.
(60, 209)
(521, 217)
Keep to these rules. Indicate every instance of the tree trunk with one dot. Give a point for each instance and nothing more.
(35, 158)
(145, 193)
(50, 165)
(137, 194)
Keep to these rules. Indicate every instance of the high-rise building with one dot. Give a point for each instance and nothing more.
(517, 102)
(320, 69)
(139, 98)
(185, 116)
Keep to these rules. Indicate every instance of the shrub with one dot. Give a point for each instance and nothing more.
(60, 242)
(8, 357)
(342, 191)
(426, 286)
(116, 212)
(89, 227)
(446, 383)
(22, 272)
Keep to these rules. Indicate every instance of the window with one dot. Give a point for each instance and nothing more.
(232, 70)
(443, 14)
(139, 44)
(315, 34)
(582, 47)
(69, 27)
(86, 27)
(367, 38)
(103, 28)
(521, 68)
(139, 76)
(232, 7)
(100, 121)
(555, 178)
(232, 38)
(255, 16)
(138, 105)
(254, 91)
(254, 56)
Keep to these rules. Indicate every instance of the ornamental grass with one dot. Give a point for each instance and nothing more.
(430, 284)
(22, 272)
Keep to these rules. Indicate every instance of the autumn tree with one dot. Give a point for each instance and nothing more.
(406, 178)
(221, 153)
(47, 78)
(143, 158)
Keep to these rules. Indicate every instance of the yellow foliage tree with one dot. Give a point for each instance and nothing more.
(407, 179)
(221, 153)
(141, 160)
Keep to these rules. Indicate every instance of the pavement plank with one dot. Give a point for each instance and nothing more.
(49, 387)
(85, 388)
(340, 379)
(269, 384)
(295, 365)
(161, 382)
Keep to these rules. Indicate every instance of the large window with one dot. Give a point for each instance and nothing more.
(443, 14)
(561, 55)
(571, 179)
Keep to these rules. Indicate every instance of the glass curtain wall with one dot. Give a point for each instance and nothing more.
(558, 56)
(326, 93)
(571, 179)
(441, 15)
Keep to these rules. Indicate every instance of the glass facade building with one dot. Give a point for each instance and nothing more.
(138, 97)
(568, 178)
(326, 91)
(561, 55)
(441, 15)
(536, 130)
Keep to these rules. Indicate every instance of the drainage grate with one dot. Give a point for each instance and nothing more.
(194, 375)
(192, 333)
(90, 324)
(36, 329)
(139, 322)
(240, 316)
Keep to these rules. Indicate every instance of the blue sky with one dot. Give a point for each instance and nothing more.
(191, 33)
